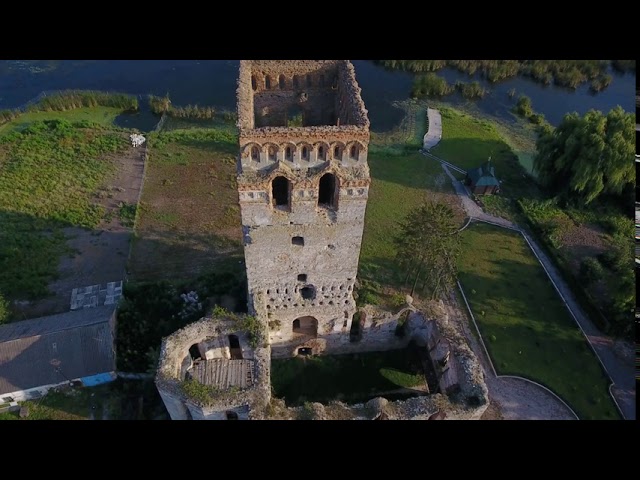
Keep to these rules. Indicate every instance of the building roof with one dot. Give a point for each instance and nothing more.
(483, 175)
(55, 349)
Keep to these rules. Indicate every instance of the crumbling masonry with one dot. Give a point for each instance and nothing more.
(303, 184)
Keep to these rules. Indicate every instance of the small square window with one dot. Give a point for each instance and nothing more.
(298, 241)
(302, 277)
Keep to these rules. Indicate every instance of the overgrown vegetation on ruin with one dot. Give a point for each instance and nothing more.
(49, 173)
(525, 325)
(565, 73)
(151, 311)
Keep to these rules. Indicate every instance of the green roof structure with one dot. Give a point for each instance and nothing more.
(483, 176)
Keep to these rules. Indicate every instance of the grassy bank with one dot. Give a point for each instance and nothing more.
(351, 378)
(49, 174)
(103, 116)
(525, 325)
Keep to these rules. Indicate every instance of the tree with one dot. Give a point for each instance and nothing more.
(588, 156)
(4, 310)
(427, 246)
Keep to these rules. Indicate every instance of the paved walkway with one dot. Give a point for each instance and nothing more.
(621, 372)
(434, 132)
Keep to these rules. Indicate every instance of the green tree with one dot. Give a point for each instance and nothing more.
(427, 246)
(4, 310)
(524, 107)
(587, 156)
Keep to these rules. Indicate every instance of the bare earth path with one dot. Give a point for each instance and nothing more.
(620, 368)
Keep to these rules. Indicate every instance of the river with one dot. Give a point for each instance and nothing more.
(213, 82)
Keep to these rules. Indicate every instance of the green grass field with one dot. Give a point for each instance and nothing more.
(351, 378)
(526, 327)
(101, 115)
(49, 174)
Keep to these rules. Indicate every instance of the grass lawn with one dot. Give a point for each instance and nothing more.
(189, 214)
(118, 400)
(526, 327)
(352, 378)
(49, 176)
(468, 142)
(101, 115)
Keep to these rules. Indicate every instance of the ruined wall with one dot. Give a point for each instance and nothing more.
(329, 85)
(209, 334)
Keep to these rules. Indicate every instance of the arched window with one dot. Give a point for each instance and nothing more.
(288, 154)
(354, 152)
(280, 190)
(296, 81)
(267, 82)
(282, 82)
(272, 154)
(320, 152)
(337, 154)
(305, 153)
(327, 191)
(255, 154)
(254, 84)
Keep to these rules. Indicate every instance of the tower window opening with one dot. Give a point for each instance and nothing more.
(327, 191)
(280, 189)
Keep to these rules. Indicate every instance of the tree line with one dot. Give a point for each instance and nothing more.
(565, 73)
(431, 85)
(160, 105)
(73, 99)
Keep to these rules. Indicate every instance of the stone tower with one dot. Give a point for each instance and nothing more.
(303, 184)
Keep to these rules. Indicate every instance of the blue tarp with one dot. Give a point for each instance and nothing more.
(99, 379)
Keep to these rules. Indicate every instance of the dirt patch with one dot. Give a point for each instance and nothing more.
(189, 215)
(580, 242)
(101, 254)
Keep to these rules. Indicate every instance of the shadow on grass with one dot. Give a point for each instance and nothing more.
(352, 378)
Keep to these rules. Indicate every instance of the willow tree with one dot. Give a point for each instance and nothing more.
(585, 157)
(427, 247)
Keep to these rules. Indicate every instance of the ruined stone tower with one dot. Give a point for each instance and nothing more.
(303, 184)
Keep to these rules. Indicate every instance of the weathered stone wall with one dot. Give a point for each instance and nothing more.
(210, 334)
(329, 88)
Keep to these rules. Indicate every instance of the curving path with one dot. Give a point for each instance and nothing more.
(620, 371)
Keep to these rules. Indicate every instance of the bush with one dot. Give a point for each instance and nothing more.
(591, 270)
(4, 310)
(430, 85)
(523, 106)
